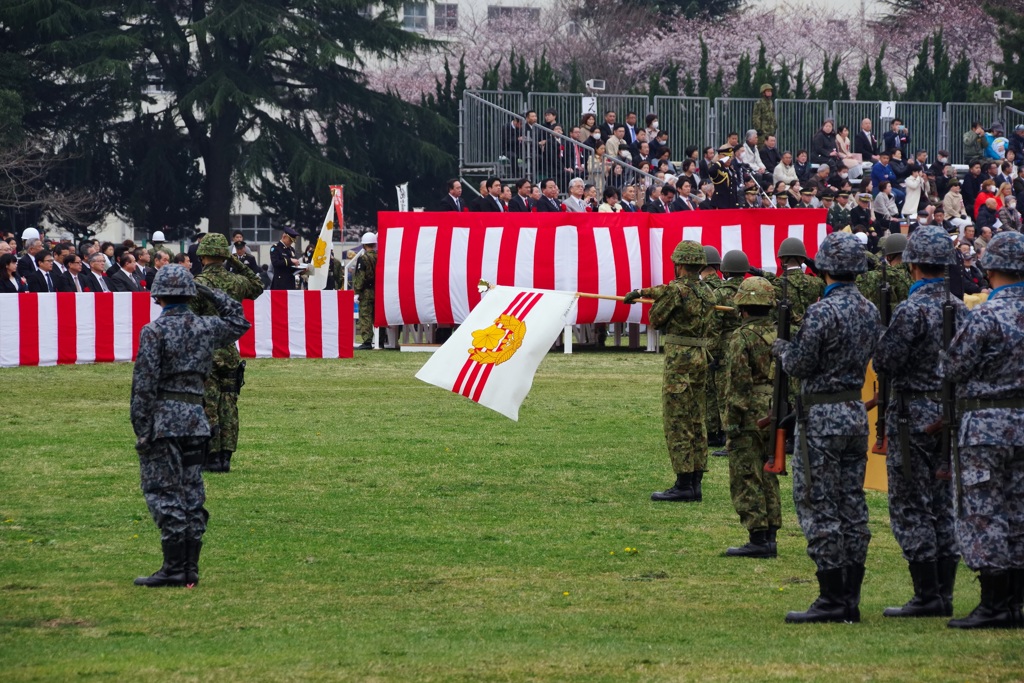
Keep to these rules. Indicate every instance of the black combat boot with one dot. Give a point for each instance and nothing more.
(1017, 596)
(946, 568)
(717, 439)
(830, 607)
(682, 490)
(225, 461)
(172, 573)
(365, 346)
(697, 478)
(721, 452)
(759, 546)
(927, 600)
(853, 579)
(192, 551)
(773, 540)
(994, 611)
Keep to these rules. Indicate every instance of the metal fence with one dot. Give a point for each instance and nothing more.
(732, 115)
(569, 107)
(687, 120)
(798, 121)
(924, 121)
(959, 117)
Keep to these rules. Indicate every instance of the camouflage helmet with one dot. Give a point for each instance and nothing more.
(735, 261)
(712, 256)
(173, 280)
(792, 246)
(755, 291)
(1005, 253)
(689, 253)
(766, 86)
(841, 252)
(895, 244)
(214, 244)
(928, 245)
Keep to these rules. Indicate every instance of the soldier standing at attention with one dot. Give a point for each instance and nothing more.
(734, 267)
(830, 354)
(920, 504)
(804, 288)
(985, 361)
(710, 278)
(174, 359)
(682, 312)
(749, 372)
(764, 113)
(283, 261)
(226, 378)
(363, 282)
(897, 273)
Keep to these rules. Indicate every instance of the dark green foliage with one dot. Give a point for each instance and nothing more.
(832, 87)
(742, 86)
(1008, 72)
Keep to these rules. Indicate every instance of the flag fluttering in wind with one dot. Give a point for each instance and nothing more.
(320, 262)
(492, 357)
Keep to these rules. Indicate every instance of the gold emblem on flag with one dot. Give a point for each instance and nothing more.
(499, 342)
(320, 253)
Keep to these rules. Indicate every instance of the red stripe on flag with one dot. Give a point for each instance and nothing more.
(473, 374)
(104, 327)
(507, 256)
(471, 367)
(140, 318)
(346, 310)
(482, 383)
(544, 259)
(587, 279)
(519, 308)
(457, 387)
(516, 309)
(28, 321)
(407, 278)
(314, 324)
(247, 343)
(279, 323)
(620, 256)
(475, 264)
(529, 306)
(442, 273)
(67, 328)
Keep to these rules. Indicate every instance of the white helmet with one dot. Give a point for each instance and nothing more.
(29, 234)
(158, 236)
(369, 238)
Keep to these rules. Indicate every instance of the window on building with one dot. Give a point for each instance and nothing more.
(256, 229)
(531, 14)
(446, 17)
(414, 16)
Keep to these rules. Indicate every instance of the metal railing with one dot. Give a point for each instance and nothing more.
(687, 120)
(732, 115)
(569, 107)
(797, 122)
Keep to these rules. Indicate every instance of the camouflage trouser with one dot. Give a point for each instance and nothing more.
(990, 525)
(364, 326)
(220, 400)
(755, 493)
(682, 404)
(714, 404)
(920, 508)
(834, 516)
(174, 490)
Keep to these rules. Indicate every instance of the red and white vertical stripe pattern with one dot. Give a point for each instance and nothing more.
(68, 328)
(430, 263)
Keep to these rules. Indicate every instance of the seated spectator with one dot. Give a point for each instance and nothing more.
(628, 201)
(866, 144)
(784, 171)
(987, 214)
(899, 165)
(661, 204)
(684, 201)
(882, 170)
(690, 172)
(665, 157)
(1009, 216)
(70, 280)
(803, 169)
(847, 158)
(915, 188)
(10, 281)
(819, 181)
(123, 279)
(770, 155)
(862, 213)
(781, 199)
(588, 123)
(887, 214)
(575, 203)
(752, 155)
(988, 191)
(590, 196)
(982, 240)
(823, 145)
(45, 278)
(642, 154)
(974, 280)
(609, 201)
(597, 167)
(182, 259)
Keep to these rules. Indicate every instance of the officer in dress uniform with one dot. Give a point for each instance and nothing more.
(174, 359)
(284, 261)
(725, 179)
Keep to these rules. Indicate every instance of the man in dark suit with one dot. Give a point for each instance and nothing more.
(143, 259)
(512, 140)
(664, 204)
(94, 279)
(453, 200)
(71, 279)
(123, 279)
(490, 202)
(284, 261)
(520, 202)
(549, 202)
(898, 137)
(28, 264)
(865, 142)
(683, 200)
(44, 279)
(608, 127)
(628, 202)
(161, 259)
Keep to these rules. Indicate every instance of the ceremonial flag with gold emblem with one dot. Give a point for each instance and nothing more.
(492, 357)
(320, 261)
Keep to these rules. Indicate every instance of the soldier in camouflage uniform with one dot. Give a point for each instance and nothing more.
(749, 369)
(682, 312)
(804, 288)
(920, 504)
(985, 361)
(734, 267)
(174, 359)
(830, 354)
(896, 273)
(224, 382)
(839, 215)
(764, 113)
(363, 285)
(710, 278)
(158, 245)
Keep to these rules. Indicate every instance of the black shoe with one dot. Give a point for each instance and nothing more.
(830, 607)
(682, 491)
(852, 580)
(946, 568)
(716, 439)
(927, 600)
(773, 538)
(225, 461)
(365, 346)
(758, 547)
(215, 462)
(172, 573)
(192, 550)
(721, 453)
(697, 478)
(995, 609)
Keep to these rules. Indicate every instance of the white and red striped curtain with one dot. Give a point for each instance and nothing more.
(430, 263)
(66, 328)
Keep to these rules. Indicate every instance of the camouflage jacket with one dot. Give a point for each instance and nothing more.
(176, 355)
(804, 290)
(725, 321)
(764, 118)
(365, 272)
(240, 284)
(750, 373)
(830, 354)
(838, 217)
(908, 351)
(985, 361)
(899, 285)
(682, 307)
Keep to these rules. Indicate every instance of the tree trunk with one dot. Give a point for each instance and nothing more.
(221, 158)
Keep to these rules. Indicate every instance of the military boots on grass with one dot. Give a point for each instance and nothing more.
(1000, 605)
(686, 489)
(219, 461)
(928, 600)
(838, 598)
(173, 572)
(760, 545)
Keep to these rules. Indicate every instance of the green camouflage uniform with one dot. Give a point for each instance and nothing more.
(804, 290)
(899, 285)
(764, 118)
(728, 322)
(221, 388)
(838, 216)
(363, 285)
(755, 493)
(712, 407)
(153, 249)
(682, 312)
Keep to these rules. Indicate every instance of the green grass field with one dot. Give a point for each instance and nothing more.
(375, 528)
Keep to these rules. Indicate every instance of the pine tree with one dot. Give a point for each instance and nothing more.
(672, 79)
(782, 82)
(703, 80)
(741, 87)
(717, 88)
(763, 72)
(921, 81)
(880, 88)
(798, 91)
(864, 88)
(1008, 73)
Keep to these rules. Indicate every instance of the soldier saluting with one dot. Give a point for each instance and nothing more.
(726, 179)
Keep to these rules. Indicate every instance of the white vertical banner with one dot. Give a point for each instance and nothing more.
(320, 262)
(403, 196)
